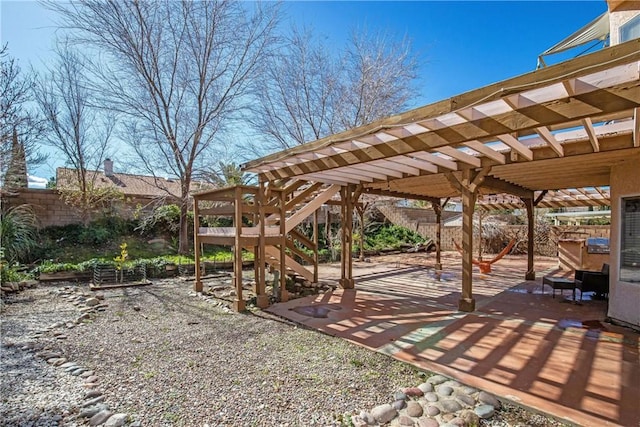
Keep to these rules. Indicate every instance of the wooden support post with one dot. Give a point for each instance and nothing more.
(315, 246)
(197, 285)
(262, 299)
(480, 235)
(468, 186)
(346, 278)
(531, 274)
(360, 209)
(467, 302)
(284, 295)
(437, 208)
(238, 302)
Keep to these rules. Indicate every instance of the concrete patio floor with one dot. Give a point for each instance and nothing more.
(521, 344)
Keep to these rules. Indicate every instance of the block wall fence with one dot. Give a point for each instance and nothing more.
(51, 210)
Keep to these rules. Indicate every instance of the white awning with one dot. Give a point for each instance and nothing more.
(597, 29)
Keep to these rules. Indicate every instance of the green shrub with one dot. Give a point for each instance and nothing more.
(390, 237)
(12, 274)
(96, 235)
(18, 228)
(164, 220)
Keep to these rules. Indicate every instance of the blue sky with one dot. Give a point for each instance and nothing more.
(463, 45)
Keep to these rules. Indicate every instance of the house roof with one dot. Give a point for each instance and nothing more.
(129, 184)
(561, 127)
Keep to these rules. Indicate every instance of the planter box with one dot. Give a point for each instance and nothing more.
(72, 276)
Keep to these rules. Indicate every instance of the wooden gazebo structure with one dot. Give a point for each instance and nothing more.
(548, 137)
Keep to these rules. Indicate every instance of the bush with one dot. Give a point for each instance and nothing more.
(164, 220)
(18, 228)
(390, 237)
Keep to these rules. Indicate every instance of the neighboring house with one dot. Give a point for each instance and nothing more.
(144, 190)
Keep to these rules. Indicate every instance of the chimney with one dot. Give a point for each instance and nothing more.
(108, 167)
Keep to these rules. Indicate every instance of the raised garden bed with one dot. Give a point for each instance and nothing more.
(69, 276)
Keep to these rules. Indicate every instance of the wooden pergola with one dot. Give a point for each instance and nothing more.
(546, 138)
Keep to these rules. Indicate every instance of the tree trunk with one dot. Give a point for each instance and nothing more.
(183, 247)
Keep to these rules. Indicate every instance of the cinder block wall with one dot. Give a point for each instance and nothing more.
(546, 245)
(51, 209)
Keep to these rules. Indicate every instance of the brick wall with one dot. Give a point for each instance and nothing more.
(51, 209)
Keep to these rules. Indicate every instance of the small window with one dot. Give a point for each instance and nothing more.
(630, 30)
(630, 241)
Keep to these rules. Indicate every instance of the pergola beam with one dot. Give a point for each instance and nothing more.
(551, 140)
(591, 132)
(517, 146)
(486, 151)
(506, 187)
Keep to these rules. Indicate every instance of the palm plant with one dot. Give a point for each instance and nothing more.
(18, 232)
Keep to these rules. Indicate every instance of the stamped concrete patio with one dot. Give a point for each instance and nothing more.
(545, 353)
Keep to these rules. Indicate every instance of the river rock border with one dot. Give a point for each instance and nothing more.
(92, 410)
(438, 402)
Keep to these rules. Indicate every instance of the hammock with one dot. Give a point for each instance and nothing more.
(485, 266)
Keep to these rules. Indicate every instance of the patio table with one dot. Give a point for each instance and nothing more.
(561, 283)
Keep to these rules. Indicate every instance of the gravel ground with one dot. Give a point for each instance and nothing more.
(167, 357)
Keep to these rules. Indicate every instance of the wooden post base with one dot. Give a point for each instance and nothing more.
(262, 301)
(467, 304)
(347, 283)
(530, 275)
(439, 266)
(197, 286)
(239, 305)
(284, 296)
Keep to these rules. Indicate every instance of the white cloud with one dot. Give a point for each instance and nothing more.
(37, 182)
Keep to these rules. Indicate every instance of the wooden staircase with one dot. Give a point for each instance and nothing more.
(264, 221)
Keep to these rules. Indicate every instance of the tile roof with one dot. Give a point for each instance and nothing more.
(129, 184)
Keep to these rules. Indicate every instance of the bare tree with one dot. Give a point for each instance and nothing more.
(20, 127)
(379, 73)
(178, 71)
(75, 128)
(297, 97)
(309, 92)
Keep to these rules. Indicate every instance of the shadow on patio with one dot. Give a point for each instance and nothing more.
(542, 352)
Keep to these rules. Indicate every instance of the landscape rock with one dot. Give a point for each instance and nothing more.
(93, 401)
(466, 400)
(92, 393)
(437, 379)
(485, 411)
(367, 417)
(89, 412)
(90, 302)
(428, 422)
(431, 397)
(116, 420)
(100, 418)
(399, 395)
(445, 390)
(357, 421)
(414, 409)
(413, 391)
(404, 420)
(399, 404)
(426, 387)
(489, 399)
(432, 411)
(384, 413)
(469, 417)
(450, 405)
